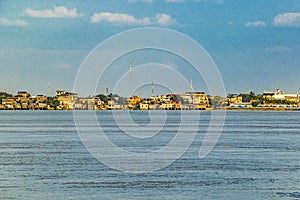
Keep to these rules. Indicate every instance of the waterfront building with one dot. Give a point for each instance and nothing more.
(23, 94)
(22, 97)
(144, 106)
(60, 92)
(195, 100)
(280, 95)
(177, 105)
(234, 99)
(9, 103)
(66, 99)
(167, 106)
(41, 98)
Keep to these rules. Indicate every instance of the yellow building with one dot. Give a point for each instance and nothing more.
(199, 100)
(41, 98)
(167, 106)
(9, 103)
(234, 99)
(134, 100)
(177, 105)
(144, 106)
(67, 100)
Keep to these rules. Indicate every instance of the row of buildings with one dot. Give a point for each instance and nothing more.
(268, 100)
(64, 100)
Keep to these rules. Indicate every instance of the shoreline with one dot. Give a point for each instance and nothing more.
(218, 109)
(262, 109)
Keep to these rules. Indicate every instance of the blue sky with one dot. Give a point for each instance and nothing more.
(255, 44)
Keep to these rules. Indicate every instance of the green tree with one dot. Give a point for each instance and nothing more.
(55, 103)
(216, 101)
(255, 103)
(230, 95)
(52, 102)
(248, 97)
(102, 97)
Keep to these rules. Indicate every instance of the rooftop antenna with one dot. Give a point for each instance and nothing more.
(107, 91)
(152, 88)
(131, 84)
(191, 91)
(49, 89)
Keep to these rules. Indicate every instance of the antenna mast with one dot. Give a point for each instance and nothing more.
(131, 84)
(152, 88)
(191, 86)
(49, 89)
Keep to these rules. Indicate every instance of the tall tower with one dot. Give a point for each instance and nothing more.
(49, 89)
(107, 91)
(152, 88)
(131, 84)
(191, 91)
(191, 86)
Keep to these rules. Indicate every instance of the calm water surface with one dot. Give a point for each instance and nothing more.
(257, 157)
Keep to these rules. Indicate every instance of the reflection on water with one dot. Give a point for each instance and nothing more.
(256, 157)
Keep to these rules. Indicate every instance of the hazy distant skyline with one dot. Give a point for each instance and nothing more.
(255, 44)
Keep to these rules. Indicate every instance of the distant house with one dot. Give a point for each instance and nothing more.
(23, 94)
(234, 99)
(60, 92)
(144, 106)
(268, 95)
(177, 105)
(9, 103)
(66, 99)
(41, 98)
(42, 106)
(23, 97)
(134, 100)
(197, 100)
(280, 95)
(167, 106)
(154, 107)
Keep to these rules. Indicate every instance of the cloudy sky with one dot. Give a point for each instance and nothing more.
(255, 44)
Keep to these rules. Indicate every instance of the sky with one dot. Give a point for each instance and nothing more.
(254, 44)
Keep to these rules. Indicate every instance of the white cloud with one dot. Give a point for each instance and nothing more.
(255, 24)
(163, 19)
(118, 18)
(16, 22)
(287, 19)
(56, 12)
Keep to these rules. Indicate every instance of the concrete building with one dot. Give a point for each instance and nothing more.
(144, 106)
(280, 95)
(66, 99)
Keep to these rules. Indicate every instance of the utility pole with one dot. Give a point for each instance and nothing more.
(191, 92)
(131, 84)
(152, 88)
(107, 90)
(191, 86)
(49, 89)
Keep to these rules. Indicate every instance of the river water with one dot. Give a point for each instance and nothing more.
(257, 156)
